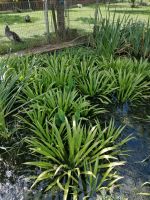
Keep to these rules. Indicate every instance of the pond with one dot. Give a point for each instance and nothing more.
(14, 184)
(137, 169)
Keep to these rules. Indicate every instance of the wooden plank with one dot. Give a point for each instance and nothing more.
(46, 49)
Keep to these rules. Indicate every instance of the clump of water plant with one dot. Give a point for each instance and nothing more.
(107, 33)
(60, 69)
(131, 81)
(8, 91)
(74, 157)
(116, 35)
(136, 38)
(93, 81)
(57, 99)
(14, 73)
(60, 104)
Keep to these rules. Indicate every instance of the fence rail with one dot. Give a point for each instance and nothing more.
(22, 5)
(37, 5)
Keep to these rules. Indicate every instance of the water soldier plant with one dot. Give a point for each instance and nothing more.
(74, 157)
(9, 89)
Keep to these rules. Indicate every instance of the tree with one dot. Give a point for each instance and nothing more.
(133, 3)
(60, 18)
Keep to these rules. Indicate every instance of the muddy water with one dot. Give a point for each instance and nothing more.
(14, 184)
(137, 169)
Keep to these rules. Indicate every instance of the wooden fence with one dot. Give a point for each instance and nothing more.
(36, 5)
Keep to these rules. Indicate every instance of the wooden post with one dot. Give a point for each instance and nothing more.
(29, 4)
(95, 19)
(54, 20)
(96, 12)
(46, 20)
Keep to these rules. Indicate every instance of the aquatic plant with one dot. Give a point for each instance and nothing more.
(60, 69)
(37, 85)
(107, 33)
(136, 38)
(131, 86)
(58, 98)
(60, 104)
(116, 35)
(8, 91)
(22, 66)
(130, 77)
(14, 74)
(74, 156)
(93, 81)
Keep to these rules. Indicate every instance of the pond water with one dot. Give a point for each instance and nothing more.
(137, 169)
(14, 184)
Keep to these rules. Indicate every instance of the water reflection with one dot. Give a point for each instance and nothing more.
(135, 172)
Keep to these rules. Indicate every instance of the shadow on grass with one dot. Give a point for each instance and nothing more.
(34, 41)
(30, 43)
(12, 19)
(86, 20)
(128, 5)
(91, 5)
(74, 10)
(134, 12)
(106, 5)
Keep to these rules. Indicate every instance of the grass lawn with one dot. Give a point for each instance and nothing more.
(33, 33)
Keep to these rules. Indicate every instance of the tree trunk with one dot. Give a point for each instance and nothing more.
(46, 20)
(54, 20)
(60, 18)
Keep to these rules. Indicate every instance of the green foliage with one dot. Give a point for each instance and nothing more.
(136, 38)
(131, 86)
(60, 70)
(94, 82)
(72, 152)
(121, 35)
(107, 33)
(131, 79)
(60, 104)
(8, 91)
(58, 98)
(69, 85)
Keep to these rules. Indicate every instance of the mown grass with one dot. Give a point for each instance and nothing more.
(82, 19)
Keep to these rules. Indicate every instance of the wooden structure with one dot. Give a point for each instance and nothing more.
(50, 48)
(8, 5)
